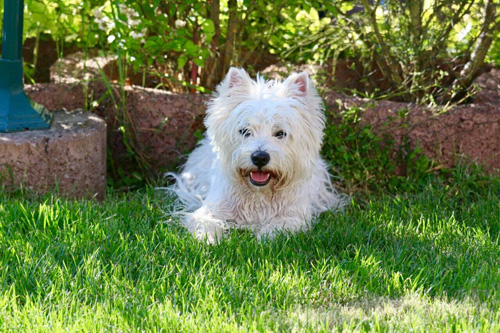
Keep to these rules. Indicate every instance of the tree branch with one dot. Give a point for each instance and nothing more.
(389, 60)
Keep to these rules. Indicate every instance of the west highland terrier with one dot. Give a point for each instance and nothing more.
(259, 165)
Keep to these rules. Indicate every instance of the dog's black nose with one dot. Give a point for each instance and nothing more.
(260, 158)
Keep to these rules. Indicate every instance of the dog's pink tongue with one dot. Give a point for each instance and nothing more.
(259, 176)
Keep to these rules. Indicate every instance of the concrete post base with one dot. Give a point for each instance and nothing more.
(69, 157)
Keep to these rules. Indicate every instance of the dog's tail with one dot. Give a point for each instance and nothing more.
(188, 192)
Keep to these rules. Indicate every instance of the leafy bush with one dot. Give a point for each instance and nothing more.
(176, 45)
(164, 37)
(422, 51)
(410, 50)
(364, 162)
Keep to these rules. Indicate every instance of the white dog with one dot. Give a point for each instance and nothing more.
(259, 166)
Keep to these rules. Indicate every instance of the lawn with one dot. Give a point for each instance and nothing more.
(427, 259)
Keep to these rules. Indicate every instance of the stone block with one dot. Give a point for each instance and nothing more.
(69, 157)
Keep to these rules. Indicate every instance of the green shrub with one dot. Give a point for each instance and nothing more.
(422, 50)
(418, 51)
(364, 162)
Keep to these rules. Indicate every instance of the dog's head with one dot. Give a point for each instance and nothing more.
(267, 134)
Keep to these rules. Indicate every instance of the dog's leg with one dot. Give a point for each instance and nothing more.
(204, 226)
(292, 224)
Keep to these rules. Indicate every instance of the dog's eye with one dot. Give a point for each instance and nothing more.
(280, 134)
(245, 132)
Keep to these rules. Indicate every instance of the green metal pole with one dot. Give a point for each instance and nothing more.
(12, 35)
(17, 112)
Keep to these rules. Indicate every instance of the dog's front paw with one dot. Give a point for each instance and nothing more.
(269, 232)
(204, 227)
(211, 234)
(272, 230)
(268, 235)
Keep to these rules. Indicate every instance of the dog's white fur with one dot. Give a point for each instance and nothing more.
(243, 117)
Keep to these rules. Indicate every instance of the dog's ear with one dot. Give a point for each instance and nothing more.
(236, 78)
(298, 84)
(302, 81)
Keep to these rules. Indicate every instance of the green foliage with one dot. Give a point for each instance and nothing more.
(66, 20)
(366, 162)
(275, 27)
(156, 34)
(494, 53)
(417, 47)
(407, 50)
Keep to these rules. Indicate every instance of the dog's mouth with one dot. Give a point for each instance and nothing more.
(260, 178)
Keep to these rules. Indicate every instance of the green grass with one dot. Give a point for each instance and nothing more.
(426, 260)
